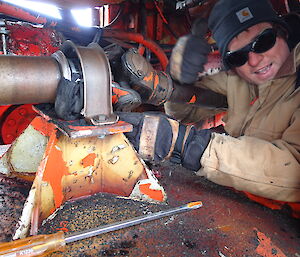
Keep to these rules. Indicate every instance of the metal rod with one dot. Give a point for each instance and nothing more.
(4, 44)
(28, 79)
(131, 222)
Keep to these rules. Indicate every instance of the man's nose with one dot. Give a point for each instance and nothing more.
(254, 58)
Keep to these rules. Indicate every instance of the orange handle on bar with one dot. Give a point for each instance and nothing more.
(39, 245)
(42, 245)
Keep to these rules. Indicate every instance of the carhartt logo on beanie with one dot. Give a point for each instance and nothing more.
(244, 15)
(228, 18)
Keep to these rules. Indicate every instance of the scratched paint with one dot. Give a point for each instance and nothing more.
(89, 160)
(55, 169)
(193, 99)
(266, 248)
(186, 234)
(276, 205)
(153, 194)
(41, 125)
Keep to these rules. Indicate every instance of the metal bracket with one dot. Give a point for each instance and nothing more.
(96, 76)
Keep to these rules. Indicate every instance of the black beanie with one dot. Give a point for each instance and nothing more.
(228, 18)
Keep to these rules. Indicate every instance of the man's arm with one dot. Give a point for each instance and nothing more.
(268, 169)
(206, 98)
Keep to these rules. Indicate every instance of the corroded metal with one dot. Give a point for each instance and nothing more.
(24, 155)
(97, 210)
(73, 168)
(228, 224)
(81, 128)
(64, 169)
(13, 193)
(131, 222)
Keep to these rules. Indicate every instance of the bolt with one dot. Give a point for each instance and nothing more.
(139, 73)
(9, 137)
(11, 122)
(22, 111)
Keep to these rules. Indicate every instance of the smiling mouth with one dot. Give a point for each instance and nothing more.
(263, 70)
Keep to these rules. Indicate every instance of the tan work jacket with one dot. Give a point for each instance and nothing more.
(261, 155)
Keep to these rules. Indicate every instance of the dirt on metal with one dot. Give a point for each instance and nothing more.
(13, 194)
(99, 209)
(228, 224)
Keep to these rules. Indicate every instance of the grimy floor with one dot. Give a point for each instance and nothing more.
(228, 224)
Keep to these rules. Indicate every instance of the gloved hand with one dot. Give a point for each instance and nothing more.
(155, 87)
(190, 54)
(157, 137)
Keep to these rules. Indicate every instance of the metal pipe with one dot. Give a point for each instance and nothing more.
(34, 79)
(4, 44)
(4, 32)
(28, 79)
(131, 222)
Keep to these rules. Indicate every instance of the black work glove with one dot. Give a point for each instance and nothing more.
(157, 137)
(190, 146)
(190, 54)
(154, 87)
(69, 100)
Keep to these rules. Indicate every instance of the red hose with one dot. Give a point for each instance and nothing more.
(138, 38)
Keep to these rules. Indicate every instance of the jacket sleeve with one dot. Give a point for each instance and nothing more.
(216, 82)
(267, 169)
(188, 113)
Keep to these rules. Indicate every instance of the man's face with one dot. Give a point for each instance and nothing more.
(264, 66)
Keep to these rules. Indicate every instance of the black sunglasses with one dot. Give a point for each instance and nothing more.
(262, 43)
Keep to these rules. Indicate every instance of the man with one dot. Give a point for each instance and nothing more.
(260, 151)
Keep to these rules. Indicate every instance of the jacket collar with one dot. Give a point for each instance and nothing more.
(291, 63)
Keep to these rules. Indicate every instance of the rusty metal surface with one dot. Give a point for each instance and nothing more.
(13, 193)
(228, 224)
(81, 128)
(26, 39)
